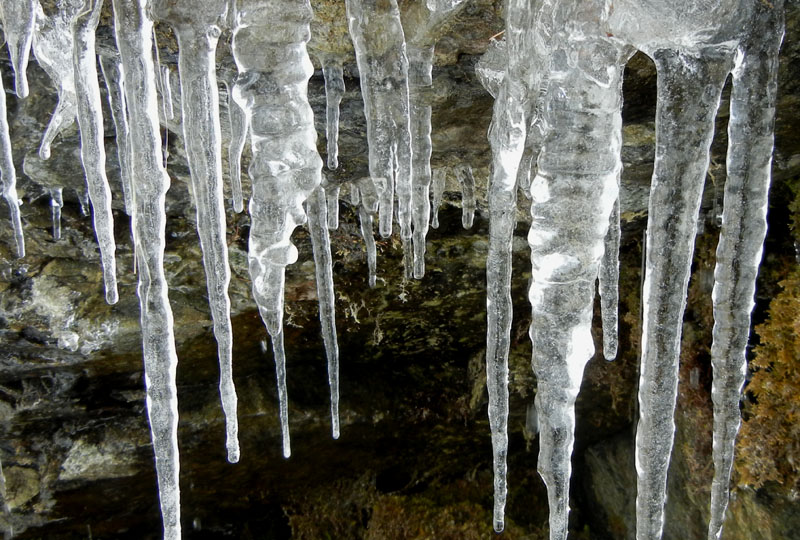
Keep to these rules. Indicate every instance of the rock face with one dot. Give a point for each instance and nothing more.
(414, 457)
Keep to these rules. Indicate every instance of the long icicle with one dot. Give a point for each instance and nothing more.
(93, 151)
(18, 23)
(744, 226)
(196, 25)
(323, 264)
(420, 81)
(237, 120)
(689, 88)
(134, 33)
(269, 46)
(9, 175)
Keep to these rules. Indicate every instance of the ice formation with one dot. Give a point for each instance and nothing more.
(555, 136)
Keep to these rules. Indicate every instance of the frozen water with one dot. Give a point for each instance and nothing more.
(334, 90)
(115, 86)
(467, 182)
(8, 174)
(439, 177)
(18, 23)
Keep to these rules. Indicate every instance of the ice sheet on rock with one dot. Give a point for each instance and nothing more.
(8, 175)
(379, 42)
(420, 66)
(467, 182)
(608, 280)
(269, 47)
(18, 23)
(334, 90)
(52, 46)
(56, 204)
(195, 23)
(133, 31)
(438, 183)
(115, 86)
(93, 152)
(323, 264)
(689, 88)
(750, 146)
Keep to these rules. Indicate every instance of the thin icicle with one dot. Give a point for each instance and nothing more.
(368, 201)
(383, 68)
(608, 279)
(439, 176)
(112, 73)
(332, 201)
(467, 182)
(238, 124)
(689, 88)
(323, 264)
(52, 46)
(18, 25)
(56, 204)
(93, 152)
(334, 90)
(166, 84)
(420, 79)
(134, 33)
(269, 46)
(195, 25)
(8, 174)
(279, 354)
(744, 226)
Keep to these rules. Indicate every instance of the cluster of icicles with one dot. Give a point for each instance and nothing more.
(555, 135)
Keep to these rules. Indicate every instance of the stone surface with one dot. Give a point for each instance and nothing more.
(414, 457)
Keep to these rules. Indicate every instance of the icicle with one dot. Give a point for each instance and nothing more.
(443, 5)
(84, 203)
(239, 127)
(383, 68)
(18, 23)
(195, 25)
(321, 244)
(609, 283)
(93, 152)
(420, 65)
(334, 90)
(689, 88)
(112, 73)
(8, 174)
(467, 181)
(269, 46)
(56, 204)
(52, 46)
(368, 197)
(332, 201)
(507, 138)
(166, 84)
(744, 226)
(134, 34)
(438, 182)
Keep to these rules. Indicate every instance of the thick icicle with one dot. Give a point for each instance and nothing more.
(112, 73)
(383, 68)
(269, 46)
(134, 40)
(56, 204)
(608, 285)
(467, 182)
(18, 24)
(438, 183)
(420, 80)
(8, 174)
(323, 263)
(239, 127)
(744, 226)
(93, 151)
(689, 88)
(334, 90)
(52, 46)
(196, 25)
